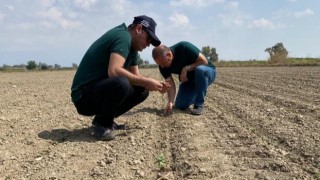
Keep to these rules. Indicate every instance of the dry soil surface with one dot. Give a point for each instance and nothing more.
(258, 123)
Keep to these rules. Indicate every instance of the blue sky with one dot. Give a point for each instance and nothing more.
(60, 31)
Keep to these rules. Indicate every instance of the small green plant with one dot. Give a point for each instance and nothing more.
(161, 161)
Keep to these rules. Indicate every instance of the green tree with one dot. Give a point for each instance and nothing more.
(210, 53)
(43, 66)
(31, 65)
(278, 54)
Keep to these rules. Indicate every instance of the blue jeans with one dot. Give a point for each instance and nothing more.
(194, 90)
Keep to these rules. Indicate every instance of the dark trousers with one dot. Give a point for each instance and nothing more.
(109, 98)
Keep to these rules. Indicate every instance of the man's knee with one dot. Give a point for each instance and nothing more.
(181, 106)
(145, 94)
(142, 92)
(123, 85)
(200, 70)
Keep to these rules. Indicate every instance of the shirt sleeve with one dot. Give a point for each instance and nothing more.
(192, 53)
(121, 44)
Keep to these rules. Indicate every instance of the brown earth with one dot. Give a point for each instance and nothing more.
(258, 123)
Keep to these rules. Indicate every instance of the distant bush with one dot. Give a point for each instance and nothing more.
(43, 66)
(278, 54)
(31, 65)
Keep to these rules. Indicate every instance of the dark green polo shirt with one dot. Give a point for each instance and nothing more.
(94, 64)
(184, 53)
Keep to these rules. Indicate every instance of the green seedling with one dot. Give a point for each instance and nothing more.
(161, 161)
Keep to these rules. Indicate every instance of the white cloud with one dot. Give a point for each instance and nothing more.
(194, 3)
(120, 7)
(234, 4)
(292, 0)
(52, 13)
(179, 20)
(281, 13)
(306, 12)
(232, 20)
(56, 16)
(265, 24)
(233, 16)
(10, 7)
(85, 4)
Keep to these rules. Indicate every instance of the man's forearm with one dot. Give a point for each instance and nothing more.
(171, 94)
(133, 78)
(201, 60)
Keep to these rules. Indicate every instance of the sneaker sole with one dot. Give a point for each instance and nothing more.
(105, 138)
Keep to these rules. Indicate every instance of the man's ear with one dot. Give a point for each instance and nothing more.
(139, 29)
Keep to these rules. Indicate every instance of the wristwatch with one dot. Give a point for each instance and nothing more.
(188, 67)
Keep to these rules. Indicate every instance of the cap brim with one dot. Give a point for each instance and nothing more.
(155, 40)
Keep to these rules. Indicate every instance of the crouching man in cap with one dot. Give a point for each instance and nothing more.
(107, 82)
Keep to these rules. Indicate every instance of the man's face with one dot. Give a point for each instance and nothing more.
(164, 61)
(148, 37)
(144, 39)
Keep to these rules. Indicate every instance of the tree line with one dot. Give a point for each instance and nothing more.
(278, 55)
(33, 65)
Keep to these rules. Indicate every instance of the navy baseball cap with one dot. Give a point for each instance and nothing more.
(149, 25)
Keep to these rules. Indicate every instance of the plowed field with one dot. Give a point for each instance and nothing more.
(258, 123)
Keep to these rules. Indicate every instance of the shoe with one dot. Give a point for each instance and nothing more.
(103, 133)
(197, 110)
(116, 126)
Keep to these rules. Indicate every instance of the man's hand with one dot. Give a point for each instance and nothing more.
(165, 87)
(183, 75)
(153, 85)
(168, 109)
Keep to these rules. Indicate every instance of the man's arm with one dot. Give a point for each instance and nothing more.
(116, 69)
(134, 70)
(171, 95)
(201, 60)
(171, 90)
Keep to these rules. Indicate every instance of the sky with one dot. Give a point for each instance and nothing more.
(60, 31)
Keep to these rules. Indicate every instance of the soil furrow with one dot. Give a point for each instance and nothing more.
(297, 104)
(270, 124)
